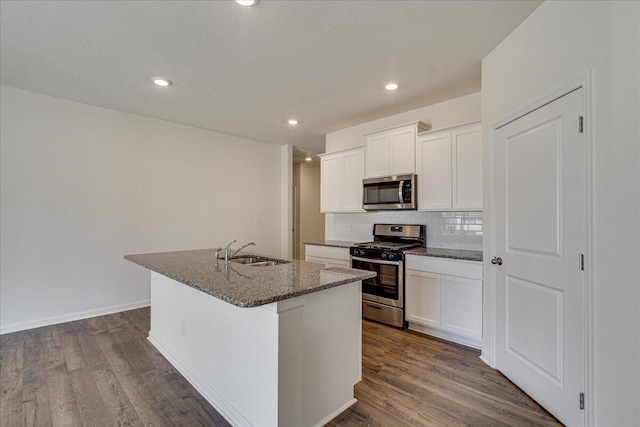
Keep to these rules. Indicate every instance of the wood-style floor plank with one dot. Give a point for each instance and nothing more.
(35, 398)
(64, 410)
(103, 371)
(115, 399)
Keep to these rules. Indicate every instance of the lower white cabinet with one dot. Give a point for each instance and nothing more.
(330, 256)
(461, 301)
(422, 293)
(444, 298)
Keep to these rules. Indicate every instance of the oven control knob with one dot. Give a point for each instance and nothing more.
(391, 256)
(384, 255)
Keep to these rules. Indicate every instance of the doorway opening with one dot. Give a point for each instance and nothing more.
(308, 222)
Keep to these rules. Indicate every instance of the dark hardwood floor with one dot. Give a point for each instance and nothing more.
(103, 372)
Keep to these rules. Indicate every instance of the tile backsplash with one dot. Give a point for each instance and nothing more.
(447, 230)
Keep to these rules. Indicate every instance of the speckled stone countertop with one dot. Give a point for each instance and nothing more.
(447, 253)
(333, 243)
(245, 285)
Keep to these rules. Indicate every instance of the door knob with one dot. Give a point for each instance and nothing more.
(496, 260)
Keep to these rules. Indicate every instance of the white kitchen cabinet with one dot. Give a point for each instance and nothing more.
(330, 256)
(444, 298)
(449, 168)
(341, 175)
(462, 306)
(423, 298)
(434, 171)
(466, 155)
(392, 151)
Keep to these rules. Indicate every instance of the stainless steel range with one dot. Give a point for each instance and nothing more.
(383, 295)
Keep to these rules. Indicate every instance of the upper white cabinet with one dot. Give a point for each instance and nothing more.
(466, 156)
(341, 181)
(449, 168)
(392, 151)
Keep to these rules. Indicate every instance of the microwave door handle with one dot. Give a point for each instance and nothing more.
(400, 198)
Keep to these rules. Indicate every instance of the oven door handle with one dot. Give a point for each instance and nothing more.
(375, 261)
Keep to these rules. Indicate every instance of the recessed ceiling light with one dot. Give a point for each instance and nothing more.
(161, 81)
(391, 86)
(308, 159)
(247, 2)
(293, 122)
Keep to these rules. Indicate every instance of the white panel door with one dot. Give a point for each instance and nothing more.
(462, 306)
(540, 234)
(434, 171)
(377, 156)
(402, 158)
(353, 173)
(467, 168)
(331, 184)
(422, 292)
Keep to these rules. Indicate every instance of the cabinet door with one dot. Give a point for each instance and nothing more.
(331, 184)
(353, 173)
(467, 168)
(434, 171)
(422, 296)
(462, 306)
(377, 156)
(402, 151)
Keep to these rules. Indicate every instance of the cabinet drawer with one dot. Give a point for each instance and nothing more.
(329, 262)
(459, 268)
(327, 252)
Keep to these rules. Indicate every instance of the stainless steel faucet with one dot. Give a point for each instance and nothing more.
(241, 248)
(230, 253)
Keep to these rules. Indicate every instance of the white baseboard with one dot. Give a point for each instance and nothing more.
(209, 393)
(486, 358)
(337, 412)
(469, 342)
(38, 323)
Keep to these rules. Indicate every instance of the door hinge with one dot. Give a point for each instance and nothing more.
(581, 262)
(582, 401)
(581, 124)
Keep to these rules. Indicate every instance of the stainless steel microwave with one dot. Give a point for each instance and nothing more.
(390, 193)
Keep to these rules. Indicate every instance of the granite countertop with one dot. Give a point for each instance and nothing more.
(333, 243)
(447, 253)
(244, 285)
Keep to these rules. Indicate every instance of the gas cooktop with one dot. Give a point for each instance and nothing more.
(387, 245)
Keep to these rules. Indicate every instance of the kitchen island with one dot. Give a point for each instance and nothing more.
(275, 345)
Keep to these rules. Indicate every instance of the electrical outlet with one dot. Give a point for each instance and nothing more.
(451, 232)
(258, 220)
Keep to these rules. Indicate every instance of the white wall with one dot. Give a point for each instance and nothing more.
(81, 186)
(455, 111)
(556, 44)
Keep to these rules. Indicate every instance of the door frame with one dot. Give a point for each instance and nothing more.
(585, 81)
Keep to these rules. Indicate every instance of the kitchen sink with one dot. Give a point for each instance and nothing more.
(257, 261)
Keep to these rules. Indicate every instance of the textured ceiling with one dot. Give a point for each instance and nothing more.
(246, 71)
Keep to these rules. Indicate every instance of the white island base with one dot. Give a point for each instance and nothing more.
(289, 363)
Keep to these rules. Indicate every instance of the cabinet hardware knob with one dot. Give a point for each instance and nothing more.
(496, 260)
